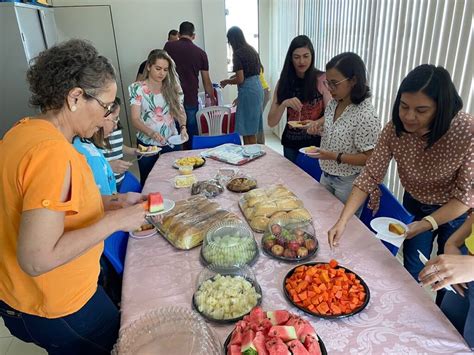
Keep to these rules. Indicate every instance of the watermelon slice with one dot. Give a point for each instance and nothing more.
(284, 332)
(248, 347)
(302, 327)
(259, 342)
(297, 348)
(155, 202)
(233, 350)
(312, 345)
(278, 317)
(276, 346)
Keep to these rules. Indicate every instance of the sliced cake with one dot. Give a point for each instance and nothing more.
(396, 228)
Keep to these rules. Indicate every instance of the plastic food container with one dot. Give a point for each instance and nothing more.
(171, 331)
(186, 225)
(229, 243)
(181, 181)
(186, 169)
(290, 239)
(226, 295)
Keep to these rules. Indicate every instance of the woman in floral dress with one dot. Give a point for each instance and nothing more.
(156, 103)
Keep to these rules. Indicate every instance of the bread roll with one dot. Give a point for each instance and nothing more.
(259, 223)
(300, 213)
(255, 193)
(288, 204)
(265, 209)
(279, 214)
(252, 201)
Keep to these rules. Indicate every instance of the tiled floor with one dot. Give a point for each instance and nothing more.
(12, 346)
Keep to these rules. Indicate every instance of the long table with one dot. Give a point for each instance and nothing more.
(400, 318)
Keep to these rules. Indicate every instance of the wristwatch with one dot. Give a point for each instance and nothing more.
(338, 159)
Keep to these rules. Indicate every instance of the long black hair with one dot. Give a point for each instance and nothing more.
(351, 66)
(236, 38)
(434, 82)
(288, 73)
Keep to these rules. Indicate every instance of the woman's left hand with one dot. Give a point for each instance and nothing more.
(446, 270)
(416, 228)
(131, 198)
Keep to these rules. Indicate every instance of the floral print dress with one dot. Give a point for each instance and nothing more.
(154, 112)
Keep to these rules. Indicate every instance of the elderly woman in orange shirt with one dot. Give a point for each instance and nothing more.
(53, 219)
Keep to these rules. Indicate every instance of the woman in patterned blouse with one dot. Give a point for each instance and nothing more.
(350, 128)
(431, 141)
(156, 103)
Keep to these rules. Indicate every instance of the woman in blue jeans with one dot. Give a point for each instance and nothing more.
(456, 267)
(430, 139)
(156, 106)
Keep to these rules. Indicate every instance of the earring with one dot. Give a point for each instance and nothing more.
(73, 108)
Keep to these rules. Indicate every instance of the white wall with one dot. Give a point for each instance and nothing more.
(143, 25)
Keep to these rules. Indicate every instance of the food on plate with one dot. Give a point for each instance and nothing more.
(186, 169)
(193, 161)
(273, 332)
(145, 227)
(294, 241)
(209, 188)
(396, 228)
(299, 124)
(325, 289)
(184, 180)
(311, 149)
(147, 149)
(241, 184)
(261, 205)
(188, 222)
(226, 297)
(155, 202)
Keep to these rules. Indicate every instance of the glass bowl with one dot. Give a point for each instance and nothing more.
(226, 295)
(229, 244)
(170, 331)
(290, 239)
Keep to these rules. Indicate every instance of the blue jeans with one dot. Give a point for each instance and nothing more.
(145, 164)
(290, 154)
(191, 123)
(424, 241)
(339, 186)
(91, 330)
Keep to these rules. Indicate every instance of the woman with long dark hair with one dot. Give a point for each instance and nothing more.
(300, 91)
(246, 61)
(431, 140)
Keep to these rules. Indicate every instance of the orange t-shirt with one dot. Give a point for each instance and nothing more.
(33, 160)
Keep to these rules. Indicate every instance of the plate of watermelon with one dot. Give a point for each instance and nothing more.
(273, 333)
(157, 204)
(326, 290)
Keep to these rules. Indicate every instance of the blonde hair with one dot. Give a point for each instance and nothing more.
(171, 89)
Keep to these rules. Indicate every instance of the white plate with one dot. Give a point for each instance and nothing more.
(293, 124)
(176, 140)
(143, 234)
(380, 225)
(149, 153)
(168, 206)
(303, 150)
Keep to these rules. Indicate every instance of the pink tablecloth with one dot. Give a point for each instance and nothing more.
(400, 318)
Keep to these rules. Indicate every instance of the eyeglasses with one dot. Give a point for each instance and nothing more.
(109, 108)
(114, 120)
(333, 85)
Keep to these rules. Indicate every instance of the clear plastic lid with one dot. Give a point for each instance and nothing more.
(290, 239)
(229, 243)
(168, 331)
(226, 294)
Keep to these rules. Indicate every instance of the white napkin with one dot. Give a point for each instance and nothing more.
(424, 260)
(392, 239)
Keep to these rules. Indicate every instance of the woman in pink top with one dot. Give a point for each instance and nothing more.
(431, 141)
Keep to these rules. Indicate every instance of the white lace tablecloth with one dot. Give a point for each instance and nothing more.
(400, 318)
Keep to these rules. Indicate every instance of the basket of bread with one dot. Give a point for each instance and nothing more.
(187, 224)
(261, 205)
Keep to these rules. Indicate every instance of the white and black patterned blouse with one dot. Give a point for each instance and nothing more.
(355, 131)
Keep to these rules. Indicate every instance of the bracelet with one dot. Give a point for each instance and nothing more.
(339, 158)
(432, 221)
